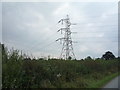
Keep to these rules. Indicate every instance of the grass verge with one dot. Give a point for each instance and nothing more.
(102, 82)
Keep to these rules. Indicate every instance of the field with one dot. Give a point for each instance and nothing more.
(19, 72)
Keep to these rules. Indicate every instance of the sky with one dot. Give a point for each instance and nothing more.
(32, 27)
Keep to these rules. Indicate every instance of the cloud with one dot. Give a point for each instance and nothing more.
(0, 22)
(33, 27)
(62, 8)
(60, 1)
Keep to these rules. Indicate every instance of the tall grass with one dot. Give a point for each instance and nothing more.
(19, 72)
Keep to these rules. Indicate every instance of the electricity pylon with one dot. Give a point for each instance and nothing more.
(67, 49)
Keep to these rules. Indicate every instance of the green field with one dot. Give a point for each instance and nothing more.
(54, 73)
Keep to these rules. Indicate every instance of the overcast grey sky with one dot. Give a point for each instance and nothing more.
(32, 27)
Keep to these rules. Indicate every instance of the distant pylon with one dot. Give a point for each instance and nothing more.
(67, 49)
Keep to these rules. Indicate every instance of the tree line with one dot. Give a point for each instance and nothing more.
(5, 53)
(21, 72)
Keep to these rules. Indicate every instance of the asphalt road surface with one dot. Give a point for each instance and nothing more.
(115, 83)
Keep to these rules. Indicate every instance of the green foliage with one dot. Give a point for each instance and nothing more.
(21, 73)
(102, 82)
(108, 55)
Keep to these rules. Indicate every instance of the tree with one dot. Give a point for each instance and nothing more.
(108, 55)
(4, 53)
(88, 58)
(69, 58)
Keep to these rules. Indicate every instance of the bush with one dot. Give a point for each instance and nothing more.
(21, 73)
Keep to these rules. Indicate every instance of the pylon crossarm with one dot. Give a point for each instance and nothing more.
(62, 29)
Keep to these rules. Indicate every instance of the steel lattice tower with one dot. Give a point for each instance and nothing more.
(67, 49)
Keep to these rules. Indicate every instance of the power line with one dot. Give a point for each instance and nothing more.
(47, 45)
(46, 39)
(103, 26)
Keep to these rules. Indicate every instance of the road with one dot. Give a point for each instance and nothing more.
(115, 83)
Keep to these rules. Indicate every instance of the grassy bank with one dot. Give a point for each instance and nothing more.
(57, 73)
(102, 82)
